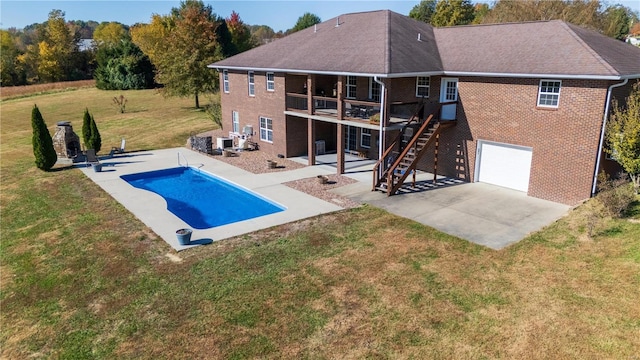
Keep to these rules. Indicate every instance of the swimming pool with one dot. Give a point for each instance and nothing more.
(203, 200)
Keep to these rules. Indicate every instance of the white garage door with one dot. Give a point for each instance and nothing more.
(505, 165)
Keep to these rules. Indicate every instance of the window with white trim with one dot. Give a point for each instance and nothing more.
(365, 138)
(374, 90)
(266, 129)
(549, 93)
(225, 81)
(252, 83)
(351, 87)
(235, 121)
(271, 82)
(422, 86)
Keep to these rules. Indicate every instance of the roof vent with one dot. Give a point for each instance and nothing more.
(419, 37)
(337, 21)
(315, 28)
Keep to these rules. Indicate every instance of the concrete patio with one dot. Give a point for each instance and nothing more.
(481, 213)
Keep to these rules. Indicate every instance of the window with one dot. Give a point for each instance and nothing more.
(351, 87)
(252, 83)
(266, 129)
(549, 93)
(271, 82)
(365, 138)
(374, 90)
(422, 86)
(235, 120)
(225, 81)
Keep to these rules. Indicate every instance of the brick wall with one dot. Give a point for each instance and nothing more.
(270, 104)
(564, 140)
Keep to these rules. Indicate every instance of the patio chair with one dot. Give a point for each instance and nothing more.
(91, 157)
(120, 150)
(350, 110)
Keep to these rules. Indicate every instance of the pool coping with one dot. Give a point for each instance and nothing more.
(151, 208)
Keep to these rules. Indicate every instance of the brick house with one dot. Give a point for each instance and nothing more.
(519, 105)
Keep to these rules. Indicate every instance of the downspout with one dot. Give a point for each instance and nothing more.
(604, 128)
(382, 118)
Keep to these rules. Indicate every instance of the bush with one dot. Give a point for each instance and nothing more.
(86, 129)
(43, 149)
(616, 195)
(90, 134)
(96, 139)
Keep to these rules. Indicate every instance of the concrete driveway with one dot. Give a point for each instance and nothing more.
(481, 213)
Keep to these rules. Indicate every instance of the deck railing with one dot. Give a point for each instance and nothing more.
(297, 101)
(325, 105)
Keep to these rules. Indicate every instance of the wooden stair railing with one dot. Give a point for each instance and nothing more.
(408, 159)
(376, 168)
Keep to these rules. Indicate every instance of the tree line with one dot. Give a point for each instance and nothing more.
(172, 51)
(616, 21)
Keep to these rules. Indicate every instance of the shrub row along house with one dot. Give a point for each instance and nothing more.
(520, 105)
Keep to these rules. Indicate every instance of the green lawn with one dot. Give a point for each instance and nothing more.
(82, 278)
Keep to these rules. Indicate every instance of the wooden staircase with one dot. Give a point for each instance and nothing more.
(402, 162)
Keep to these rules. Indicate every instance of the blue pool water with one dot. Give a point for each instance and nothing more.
(201, 199)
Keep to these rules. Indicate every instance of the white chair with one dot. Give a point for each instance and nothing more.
(115, 150)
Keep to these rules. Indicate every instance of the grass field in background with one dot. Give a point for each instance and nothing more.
(82, 278)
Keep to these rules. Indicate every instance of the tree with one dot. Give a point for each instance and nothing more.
(623, 135)
(86, 129)
(123, 66)
(423, 11)
(453, 12)
(96, 139)
(182, 44)
(43, 149)
(110, 34)
(240, 33)
(10, 72)
(57, 49)
(616, 22)
(480, 11)
(305, 21)
(261, 34)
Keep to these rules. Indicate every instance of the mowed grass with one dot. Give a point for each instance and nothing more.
(84, 279)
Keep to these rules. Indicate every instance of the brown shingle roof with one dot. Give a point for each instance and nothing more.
(544, 47)
(386, 43)
(377, 42)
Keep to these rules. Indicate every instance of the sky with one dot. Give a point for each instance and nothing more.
(279, 15)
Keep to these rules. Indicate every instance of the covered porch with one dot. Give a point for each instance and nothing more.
(355, 108)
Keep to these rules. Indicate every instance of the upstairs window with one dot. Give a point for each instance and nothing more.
(374, 90)
(351, 87)
(252, 84)
(422, 86)
(271, 82)
(549, 93)
(225, 81)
